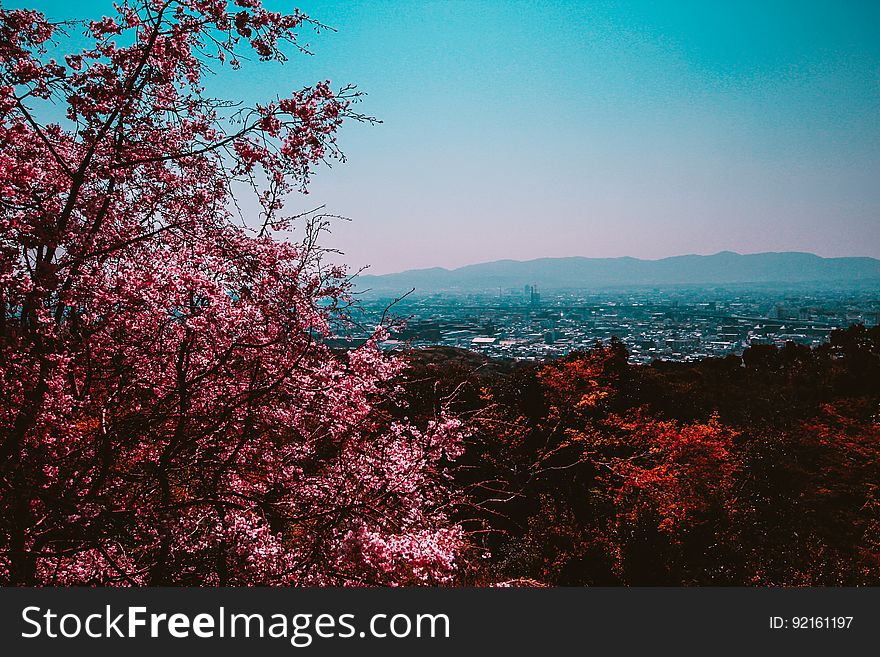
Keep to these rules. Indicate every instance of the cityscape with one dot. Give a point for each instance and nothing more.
(676, 323)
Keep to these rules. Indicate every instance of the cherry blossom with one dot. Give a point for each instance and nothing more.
(170, 410)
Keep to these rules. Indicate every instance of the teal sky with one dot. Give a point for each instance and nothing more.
(531, 129)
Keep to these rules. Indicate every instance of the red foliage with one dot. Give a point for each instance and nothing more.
(677, 474)
(753, 471)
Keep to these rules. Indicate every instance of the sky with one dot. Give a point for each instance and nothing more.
(534, 129)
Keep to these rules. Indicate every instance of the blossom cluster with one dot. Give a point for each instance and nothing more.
(170, 410)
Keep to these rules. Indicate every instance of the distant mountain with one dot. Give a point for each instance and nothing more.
(725, 268)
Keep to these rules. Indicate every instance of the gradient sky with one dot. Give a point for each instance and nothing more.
(530, 129)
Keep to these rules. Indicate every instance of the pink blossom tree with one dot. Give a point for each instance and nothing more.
(170, 411)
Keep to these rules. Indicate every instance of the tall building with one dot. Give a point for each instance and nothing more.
(535, 296)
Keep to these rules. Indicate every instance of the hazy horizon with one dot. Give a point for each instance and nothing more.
(780, 269)
(520, 130)
(370, 271)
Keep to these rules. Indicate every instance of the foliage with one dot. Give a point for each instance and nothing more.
(588, 470)
(169, 412)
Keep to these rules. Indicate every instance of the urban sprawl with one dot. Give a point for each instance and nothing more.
(671, 324)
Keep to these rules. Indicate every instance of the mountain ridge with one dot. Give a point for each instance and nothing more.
(579, 272)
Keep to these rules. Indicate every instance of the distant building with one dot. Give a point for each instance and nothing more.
(534, 296)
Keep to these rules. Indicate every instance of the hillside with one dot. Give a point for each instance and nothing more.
(723, 268)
